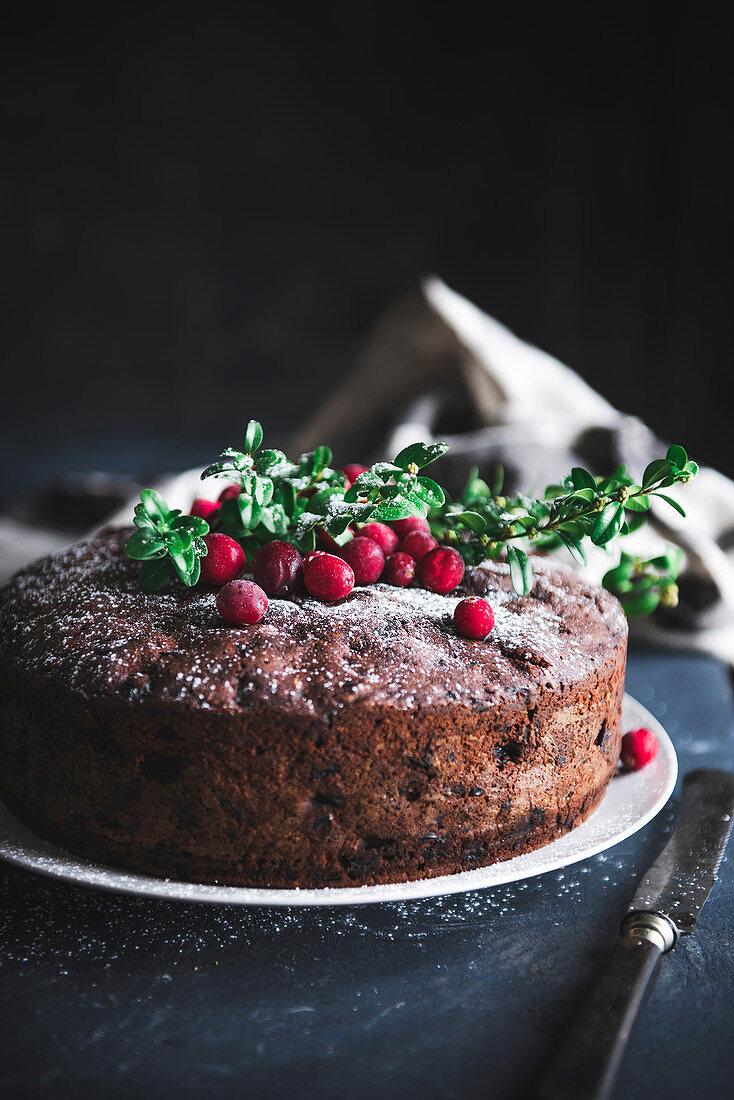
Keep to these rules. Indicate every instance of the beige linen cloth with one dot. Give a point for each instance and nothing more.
(437, 367)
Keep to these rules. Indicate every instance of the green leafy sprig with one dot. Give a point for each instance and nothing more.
(297, 501)
(582, 509)
(294, 500)
(168, 543)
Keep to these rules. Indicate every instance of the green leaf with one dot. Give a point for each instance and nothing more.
(691, 468)
(638, 504)
(274, 520)
(387, 513)
(499, 480)
(322, 457)
(472, 520)
(192, 577)
(364, 483)
(636, 606)
(430, 492)
(620, 574)
(521, 572)
(582, 479)
(656, 470)
(475, 489)
(155, 574)
(526, 522)
(574, 547)
(286, 496)
(194, 524)
(421, 454)
(268, 462)
(154, 505)
(672, 503)
(585, 495)
(263, 490)
(253, 436)
(677, 457)
(608, 524)
(145, 544)
(338, 528)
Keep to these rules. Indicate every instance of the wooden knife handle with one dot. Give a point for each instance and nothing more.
(588, 1062)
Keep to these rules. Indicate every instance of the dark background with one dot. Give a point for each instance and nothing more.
(202, 219)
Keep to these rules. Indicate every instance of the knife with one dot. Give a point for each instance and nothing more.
(667, 904)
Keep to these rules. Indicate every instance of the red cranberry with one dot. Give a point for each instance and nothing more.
(327, 577)
(241, 603)
(441, 570)
(352, 470)
(366, 559)
(639, 748)
(383, 535)
(204, 509)
(399, 570)
(473, 618)
(417, 544)
(278, 568)
(230, 491)
(412, 523)
(224, 560)
(331, 544)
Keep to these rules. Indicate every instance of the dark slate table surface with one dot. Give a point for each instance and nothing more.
(112, 996)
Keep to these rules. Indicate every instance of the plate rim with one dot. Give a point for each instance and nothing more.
(28, 850)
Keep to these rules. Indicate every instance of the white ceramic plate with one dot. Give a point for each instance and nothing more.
(630, 802)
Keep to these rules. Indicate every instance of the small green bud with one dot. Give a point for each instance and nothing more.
(669, 595)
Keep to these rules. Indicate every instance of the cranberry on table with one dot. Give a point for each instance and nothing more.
(417, 544)
(242, 603)
(204, 509)
(225, 559)
(383, 535)
(399, 570)
(352, 470)
(441, 570)
(473, 618)
(327, 577)
(278, 568)
(401, 527)
(229, 492)
(366, 559)
(639, 748)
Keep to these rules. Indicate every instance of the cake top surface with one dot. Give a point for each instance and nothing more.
(79, 617)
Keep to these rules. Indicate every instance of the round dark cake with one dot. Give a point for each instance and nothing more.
(330, 745)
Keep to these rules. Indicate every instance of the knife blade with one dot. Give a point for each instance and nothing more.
(666, 905)
(681, 878)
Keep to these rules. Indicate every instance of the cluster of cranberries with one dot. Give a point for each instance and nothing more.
(399, 554)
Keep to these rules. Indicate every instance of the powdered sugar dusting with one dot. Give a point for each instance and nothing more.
(80, 616)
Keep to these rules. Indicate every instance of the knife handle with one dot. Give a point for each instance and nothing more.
(588, 1062)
